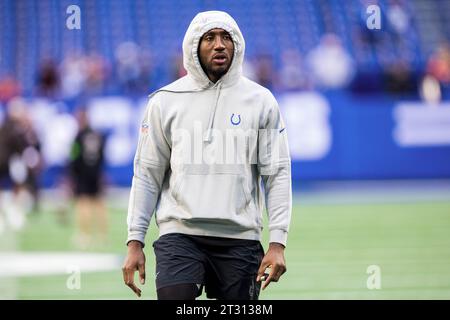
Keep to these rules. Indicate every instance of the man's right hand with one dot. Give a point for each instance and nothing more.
(135, 260)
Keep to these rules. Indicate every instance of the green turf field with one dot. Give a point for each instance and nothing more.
(330, 247)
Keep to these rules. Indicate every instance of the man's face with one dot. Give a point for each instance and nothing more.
(216, 50)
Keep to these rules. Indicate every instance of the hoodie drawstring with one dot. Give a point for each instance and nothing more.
(208, 135)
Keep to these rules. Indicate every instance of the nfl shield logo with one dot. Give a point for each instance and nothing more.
(144, 128)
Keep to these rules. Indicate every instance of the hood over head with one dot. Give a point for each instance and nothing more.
(202, 23)
(196, 79)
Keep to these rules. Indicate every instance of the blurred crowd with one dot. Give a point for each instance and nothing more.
(327, 66)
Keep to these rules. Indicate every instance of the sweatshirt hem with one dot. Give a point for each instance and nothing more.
(206, 229)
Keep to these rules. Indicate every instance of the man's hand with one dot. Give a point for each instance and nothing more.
(135, 260)
(274, 259)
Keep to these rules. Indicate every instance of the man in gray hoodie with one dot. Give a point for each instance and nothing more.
(208, 186)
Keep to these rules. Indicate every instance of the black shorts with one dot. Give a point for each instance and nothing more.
(87, 187)
(226, 268)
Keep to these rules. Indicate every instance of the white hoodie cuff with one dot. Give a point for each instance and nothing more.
(138, 236)
(279, 236)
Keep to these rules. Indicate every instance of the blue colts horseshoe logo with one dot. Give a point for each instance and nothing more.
(234, 122)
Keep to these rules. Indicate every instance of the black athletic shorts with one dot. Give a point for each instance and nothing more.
(226, 268)
(87, 186)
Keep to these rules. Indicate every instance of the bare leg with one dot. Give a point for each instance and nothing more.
(84, 221)
(101, 215)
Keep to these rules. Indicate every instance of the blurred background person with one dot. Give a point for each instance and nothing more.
(398, 18)
(9, 88)
(264, 71)
(438, 65)
(20, 165)
(73, 76)
(133, 68)
(330, 64)
(48, 79)
(293, 76)
(399, 78)
(86, 170)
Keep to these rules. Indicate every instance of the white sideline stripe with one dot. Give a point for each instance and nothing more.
(18, 264)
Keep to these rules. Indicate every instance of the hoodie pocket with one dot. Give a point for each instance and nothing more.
(216, 196)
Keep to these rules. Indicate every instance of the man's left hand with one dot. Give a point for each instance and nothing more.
(274, 259)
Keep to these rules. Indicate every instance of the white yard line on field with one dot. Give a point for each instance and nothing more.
(18, 264)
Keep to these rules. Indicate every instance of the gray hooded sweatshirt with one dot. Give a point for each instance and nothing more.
(211, 155)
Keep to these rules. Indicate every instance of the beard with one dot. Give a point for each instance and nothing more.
(216, 71)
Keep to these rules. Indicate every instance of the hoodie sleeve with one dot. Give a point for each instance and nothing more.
(274, 165)
(150, 164)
